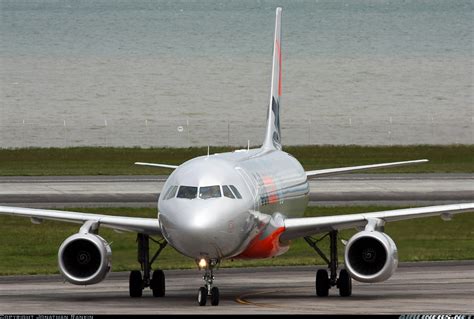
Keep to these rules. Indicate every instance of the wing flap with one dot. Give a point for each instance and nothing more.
(342, 170)
(301, 227)
(148, 226)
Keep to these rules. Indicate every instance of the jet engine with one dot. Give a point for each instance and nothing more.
(84, 259)
(371, 256)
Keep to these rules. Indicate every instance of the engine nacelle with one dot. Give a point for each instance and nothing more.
(371, 256)
(84, 259)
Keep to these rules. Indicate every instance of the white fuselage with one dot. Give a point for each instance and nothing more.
(270, 183)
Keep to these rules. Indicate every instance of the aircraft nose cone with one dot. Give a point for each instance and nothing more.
(200, 233)
(192, 235)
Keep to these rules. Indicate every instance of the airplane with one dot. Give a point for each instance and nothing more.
(245, 204)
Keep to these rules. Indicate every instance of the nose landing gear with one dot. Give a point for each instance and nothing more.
(208, 290)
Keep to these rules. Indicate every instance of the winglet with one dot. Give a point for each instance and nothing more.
(273, 131)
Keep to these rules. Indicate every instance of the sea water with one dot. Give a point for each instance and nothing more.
(188, 73)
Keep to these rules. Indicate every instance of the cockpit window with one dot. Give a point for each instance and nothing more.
(171, 192)
(210, 192)
(188, 192)
(205, 192)
(227, 192)
(236, 192)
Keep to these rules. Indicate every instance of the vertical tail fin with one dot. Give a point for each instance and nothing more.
(273, 132)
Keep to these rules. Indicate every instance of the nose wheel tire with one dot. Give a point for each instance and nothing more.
(214, 296)
(344, 283)
(202, 296)
(157, 283)
(322, 283)
(135, 284)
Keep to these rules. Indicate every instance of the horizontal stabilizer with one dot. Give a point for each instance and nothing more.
(342, 170)
(157, 165)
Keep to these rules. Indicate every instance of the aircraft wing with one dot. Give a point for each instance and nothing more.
(301, 227)
(149, 226)
(342, 170)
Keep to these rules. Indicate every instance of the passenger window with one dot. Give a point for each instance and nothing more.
(171, 192)
(210, 192)
(227, 192)
(236, 192)
(188, 192)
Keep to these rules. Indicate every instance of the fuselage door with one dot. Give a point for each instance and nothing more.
(251, 185)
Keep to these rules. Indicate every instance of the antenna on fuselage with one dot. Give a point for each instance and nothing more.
(248, 145)
(208, 151)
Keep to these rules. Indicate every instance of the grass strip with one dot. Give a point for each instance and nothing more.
(32, 249)
(119, 161)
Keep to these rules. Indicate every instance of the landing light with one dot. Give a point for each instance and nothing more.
(202, 263)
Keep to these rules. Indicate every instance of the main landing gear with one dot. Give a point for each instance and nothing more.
(137, 281)
(208, 291)
(324, 281)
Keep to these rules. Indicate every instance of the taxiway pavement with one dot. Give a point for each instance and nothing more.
(143, 191)
(427, 287)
